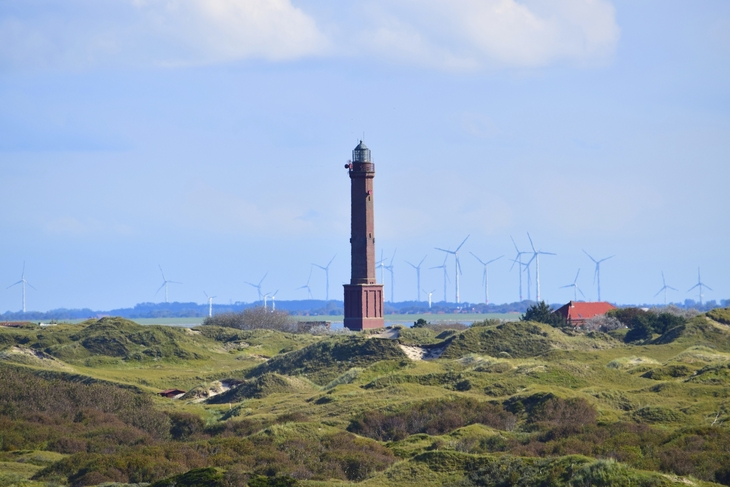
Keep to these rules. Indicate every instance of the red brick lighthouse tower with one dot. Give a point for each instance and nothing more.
(363, 297)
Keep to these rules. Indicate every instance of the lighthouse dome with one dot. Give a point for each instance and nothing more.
(361, 153)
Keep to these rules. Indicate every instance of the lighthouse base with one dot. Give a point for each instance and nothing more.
(363, 306)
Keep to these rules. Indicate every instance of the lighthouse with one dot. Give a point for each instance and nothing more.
(363, 296)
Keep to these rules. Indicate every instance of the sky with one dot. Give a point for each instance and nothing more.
(209, 137)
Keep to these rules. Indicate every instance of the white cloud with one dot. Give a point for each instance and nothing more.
(72, 34)
(442, 34)
(473, 33)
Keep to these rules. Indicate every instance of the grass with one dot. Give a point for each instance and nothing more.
(679, 381)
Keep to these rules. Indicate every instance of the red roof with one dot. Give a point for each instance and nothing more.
(578, 312)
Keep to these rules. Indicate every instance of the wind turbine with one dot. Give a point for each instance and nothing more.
(258, 286)
(24, 282)
(518, 260)
(429, 297)
(381, 265)
(306, 286)
(210, 303)
(700, 285)
(525, 267)
(326, 270)
(390, 269)
(485, 276)
(457, 266)
(418, 277)
(273, 300)
(165, 282)
(446, 274)
(536, 257)
(664, 288)
(575, 287)
(597, 274)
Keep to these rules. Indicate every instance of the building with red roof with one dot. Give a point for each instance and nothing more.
(576, 313)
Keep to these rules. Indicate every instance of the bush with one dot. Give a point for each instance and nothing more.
(433, 417)
(603, 324)
(542, 313)
(254, 318)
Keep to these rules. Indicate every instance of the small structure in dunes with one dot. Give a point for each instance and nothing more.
(577, 313)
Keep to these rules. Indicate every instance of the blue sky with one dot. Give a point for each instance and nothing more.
(209, 136)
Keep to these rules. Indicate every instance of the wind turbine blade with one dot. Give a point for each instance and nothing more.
(696, 285)
(494, 260)
(443, 250)
(569, 285)
(15, 284)
(531, 245)
(581, 292)
(513, 243)
(462, 243)
(411, 265)
(251, 284)
(458, 265)
(262, 279)
(659, 292)
(546, 253)
(419, 264)
(670, 287)
(161, 272)
(477, 258)
(533, 258)
(708, 287)
(31, 286)
(333, 258)
(589, 256)
(606, 258)
(22, 275)
(576, 276)
(174, 282)
(323, 268)
(158, 289)
(664, 283)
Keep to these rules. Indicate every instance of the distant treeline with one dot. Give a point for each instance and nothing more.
(310, 307)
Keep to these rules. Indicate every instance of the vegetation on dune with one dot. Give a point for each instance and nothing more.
(255, 318)
(521, 403)
(522, 339)
(113, 338)
(323, 361)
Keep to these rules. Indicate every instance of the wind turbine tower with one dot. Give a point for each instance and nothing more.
(306, 286)
(664, 288)
(429, 297)
(418, 277)
(258, 286)
(457, 265)
(326, 270)
(518, 260)
(165, 282)
(23, 282)
(699, 285)
(597, 273)
(485, 275)
(575, 287)
(391, 269)
(446, 275)
(210, 303)
(536, 256)
(273, 300)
